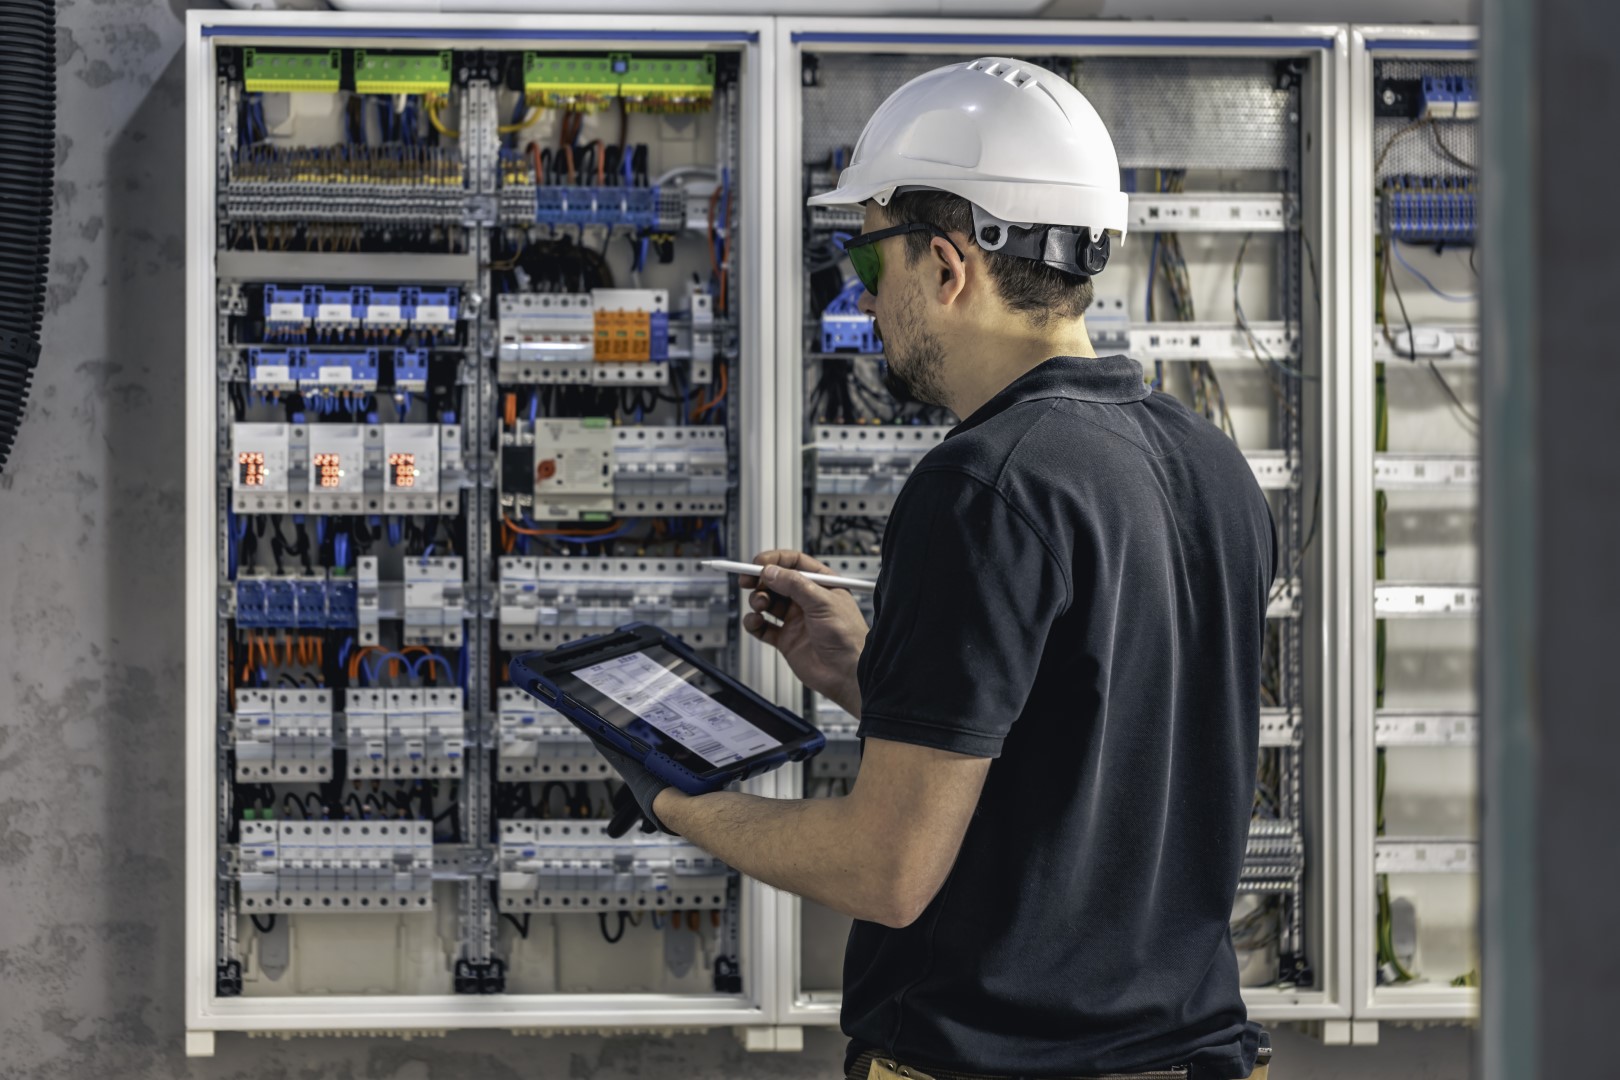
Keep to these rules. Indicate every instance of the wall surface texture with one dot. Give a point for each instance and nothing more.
(91, 649)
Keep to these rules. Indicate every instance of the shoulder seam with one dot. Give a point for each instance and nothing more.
(1018, 511)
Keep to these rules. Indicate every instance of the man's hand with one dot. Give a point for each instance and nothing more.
(820, 631)
(640, 784)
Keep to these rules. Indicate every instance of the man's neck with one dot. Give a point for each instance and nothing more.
(990, 361)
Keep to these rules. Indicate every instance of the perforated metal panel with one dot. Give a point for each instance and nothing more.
(1163, 112)
(1415, 152)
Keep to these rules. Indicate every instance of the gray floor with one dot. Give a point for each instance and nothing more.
(91, 709)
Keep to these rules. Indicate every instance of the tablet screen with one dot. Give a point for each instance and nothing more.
(665, 702)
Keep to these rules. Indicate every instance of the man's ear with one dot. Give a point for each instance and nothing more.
(951, 268)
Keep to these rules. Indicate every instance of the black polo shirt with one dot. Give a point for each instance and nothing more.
(1074, 583)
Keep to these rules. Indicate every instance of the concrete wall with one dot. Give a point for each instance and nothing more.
(91, 654)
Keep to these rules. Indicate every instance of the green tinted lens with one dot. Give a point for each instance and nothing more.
(868, 266)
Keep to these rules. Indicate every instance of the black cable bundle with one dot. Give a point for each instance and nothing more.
(27, 157)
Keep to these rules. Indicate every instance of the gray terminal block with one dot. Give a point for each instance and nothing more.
(335, 867)
(408, 734)
(559, 867)
(539, 743)
(283, 735)
(546, 602)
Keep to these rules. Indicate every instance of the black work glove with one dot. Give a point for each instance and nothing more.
(635, 799)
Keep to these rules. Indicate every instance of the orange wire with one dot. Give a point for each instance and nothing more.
(615, 527)
(725, 381)
(511, 410)
(600, 181)
(569, 150)
(287, 649)
(355, 658)
(320, 654)
(534, 155)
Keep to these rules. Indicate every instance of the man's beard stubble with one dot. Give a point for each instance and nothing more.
(915, 376)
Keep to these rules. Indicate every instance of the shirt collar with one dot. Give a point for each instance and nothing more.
(1109, 380)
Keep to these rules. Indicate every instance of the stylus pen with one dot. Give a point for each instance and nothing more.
(853, 584)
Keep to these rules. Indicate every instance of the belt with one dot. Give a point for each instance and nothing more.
(872, 1065)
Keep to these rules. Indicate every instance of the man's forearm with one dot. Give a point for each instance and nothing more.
(804, 846)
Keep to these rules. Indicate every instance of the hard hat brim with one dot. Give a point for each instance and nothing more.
(1018, 203)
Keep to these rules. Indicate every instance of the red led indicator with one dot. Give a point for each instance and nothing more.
(250, 464)
(403, 469)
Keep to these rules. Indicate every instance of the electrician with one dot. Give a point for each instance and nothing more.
(1060, 690)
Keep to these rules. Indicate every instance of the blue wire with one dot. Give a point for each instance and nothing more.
(343, 653)
(1452, 298)
(461, 662)
(534, 406)
(448, 670)
(427, 554)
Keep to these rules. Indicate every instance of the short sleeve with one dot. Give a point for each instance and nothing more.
(966, 598)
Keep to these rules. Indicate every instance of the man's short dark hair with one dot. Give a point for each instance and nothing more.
(1035, 289)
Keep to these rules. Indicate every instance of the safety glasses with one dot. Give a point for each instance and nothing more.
(868, 261)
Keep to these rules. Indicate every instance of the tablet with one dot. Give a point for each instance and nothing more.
(644, 692)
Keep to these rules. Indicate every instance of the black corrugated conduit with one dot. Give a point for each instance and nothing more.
(27, 155)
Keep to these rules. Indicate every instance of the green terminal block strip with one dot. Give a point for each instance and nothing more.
(585, 83)
(669, 81)
(401, 73)
(572, 82)
(284, 71)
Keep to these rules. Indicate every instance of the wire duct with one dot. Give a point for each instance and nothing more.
(27, 158)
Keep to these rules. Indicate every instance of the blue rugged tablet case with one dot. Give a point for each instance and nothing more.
(528, 672)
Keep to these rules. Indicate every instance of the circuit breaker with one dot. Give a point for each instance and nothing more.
(478, 325)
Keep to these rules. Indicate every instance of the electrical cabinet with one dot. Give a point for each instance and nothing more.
(1226, 289)
(497, 326)
(479, 321)
(1414, 519)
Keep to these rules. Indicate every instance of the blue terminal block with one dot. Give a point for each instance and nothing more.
(309, 603)
(288, 311)
(338, 309)
(1431, 209)
(630, 207)
(843, 326)
(410, 371)
(351, 369)
(342, 603)
(434, 311)
(658, 334)
(275, 369)
(250, 604)
(280, 602)
(1449, 97)
(386, 311)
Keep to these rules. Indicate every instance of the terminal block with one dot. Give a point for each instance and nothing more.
(429, 601)
(401, 73)
(277, 370)
(410, 371)
(574, 866)
(546, 602)
(339, 310)
(296, 867)
(289, 311)
(283, 735)
(286, 72)
(422, 468)
(869, 460)
(575, 83)
(1275, 857)
(558, 469)
(666, 84)
(845, 328)
(539, 743)
(1431, 209)
(405, 734)
(1449, 97)
(326, 373)
(290, 602)
(606, 337)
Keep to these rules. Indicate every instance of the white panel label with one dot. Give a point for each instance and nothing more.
(286, 313)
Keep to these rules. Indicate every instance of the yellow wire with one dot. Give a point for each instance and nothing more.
(433, 118)
(507, 129)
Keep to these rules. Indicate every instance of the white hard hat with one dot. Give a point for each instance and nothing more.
(1017, 141)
